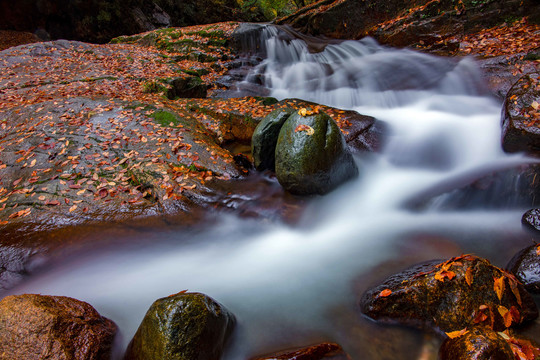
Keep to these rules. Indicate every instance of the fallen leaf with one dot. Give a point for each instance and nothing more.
(385, 293)
(498, 286)
(457, 333)
(73, 208)
(535, 105)
(308, 129)
(469, 276)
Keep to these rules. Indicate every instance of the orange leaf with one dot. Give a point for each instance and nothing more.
(469, 276)
(515, 291)
(498, 286)
(385, 293)
(457, 333)
(506, 315)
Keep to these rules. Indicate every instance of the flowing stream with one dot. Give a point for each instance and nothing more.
(294, 285)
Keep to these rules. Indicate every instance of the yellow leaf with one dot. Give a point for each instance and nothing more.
(302, 112)
(535, 105)
(498, 286)
(33, 163)
(73, 208)
(469, 276)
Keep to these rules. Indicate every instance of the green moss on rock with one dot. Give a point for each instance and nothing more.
(185, 326)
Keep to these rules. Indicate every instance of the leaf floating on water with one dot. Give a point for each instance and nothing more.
(498, 286)
(308, 129)
(385, 293)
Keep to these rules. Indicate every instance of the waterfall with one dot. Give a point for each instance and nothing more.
(290, 286)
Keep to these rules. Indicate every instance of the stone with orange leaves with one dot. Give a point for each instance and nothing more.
(451, 295)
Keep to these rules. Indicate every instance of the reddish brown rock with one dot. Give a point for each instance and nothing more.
(450, 296)
(328, 351)
(53, 327)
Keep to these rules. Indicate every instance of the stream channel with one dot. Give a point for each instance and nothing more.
(295, 285)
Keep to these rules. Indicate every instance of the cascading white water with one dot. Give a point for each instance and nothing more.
(286, 284)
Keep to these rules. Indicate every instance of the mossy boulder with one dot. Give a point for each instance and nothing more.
(521, 127)
(312, 156)
(53, 327)
(525, 265)
(264, 139)
(480, 343)
(187, 87)
(184, 326)
(450, 296)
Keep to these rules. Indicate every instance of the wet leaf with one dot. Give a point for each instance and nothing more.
(515, 290)
(498, 287)
(457, 333)
(469, 276)
(308, 129)
(73, 208)
(385, 293)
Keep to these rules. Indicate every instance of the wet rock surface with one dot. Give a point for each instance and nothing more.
(480, 343)
(520, 117)
(182, 326)
(264, 139)
(525, 265)
(451, 295)
(311, 155)
(531, 220)
(53, 327)
(330, 351)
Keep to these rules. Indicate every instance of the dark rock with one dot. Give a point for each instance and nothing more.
(525, 265)
(515, 187)
(450, 296)
(182, 326)
(53, 327)
(330, 351)
(264, 140)
(312, 156)
(479, 343)
(520, 130)
(187, 87)
(531, 220)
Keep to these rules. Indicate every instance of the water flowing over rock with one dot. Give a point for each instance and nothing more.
(264, 140)
(525, 265)
(328, 351)
(450, 296)
(180, 327)
(520, 129)
(312, 156)
(480, 343)
(53, 327)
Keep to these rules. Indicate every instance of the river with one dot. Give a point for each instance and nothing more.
(296, 285)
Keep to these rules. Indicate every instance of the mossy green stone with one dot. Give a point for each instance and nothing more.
(185, 326)
(312, 156)
(264, 139)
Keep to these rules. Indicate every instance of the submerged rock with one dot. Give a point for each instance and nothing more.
(311, 155)
(450, 296)
(183, 326)
(53, 327)
(329, 351)
(525, 265)
(479, 343)
(521, 130)
(531, 220)
(264, 140)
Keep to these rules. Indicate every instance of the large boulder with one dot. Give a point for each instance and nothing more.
(525, 265)
(521, 116)
(264, 139)
(187, 87)
(53, 327)
(183, 326)
(450, 296)
(312, 156)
